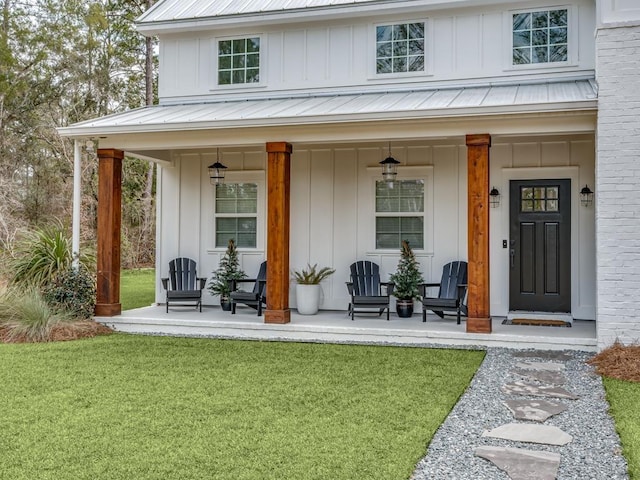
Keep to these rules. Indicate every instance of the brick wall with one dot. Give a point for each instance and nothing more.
(617, 191)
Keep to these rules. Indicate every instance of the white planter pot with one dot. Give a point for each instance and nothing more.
(308, 299)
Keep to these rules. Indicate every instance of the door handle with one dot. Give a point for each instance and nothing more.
(512, 257)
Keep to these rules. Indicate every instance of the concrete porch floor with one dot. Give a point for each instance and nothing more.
(336, 326)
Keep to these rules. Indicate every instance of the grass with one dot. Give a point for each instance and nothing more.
(137, 288)
(123, 407)
(624, 399)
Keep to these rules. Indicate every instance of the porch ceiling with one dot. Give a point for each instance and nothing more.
(450, 104)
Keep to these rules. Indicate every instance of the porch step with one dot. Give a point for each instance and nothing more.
(337, 327)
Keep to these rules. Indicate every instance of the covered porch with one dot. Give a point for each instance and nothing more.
(303, 151)
(336, 326)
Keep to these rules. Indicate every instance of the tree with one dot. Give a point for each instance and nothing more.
(64, 61)
(228, 269)
(407, 279)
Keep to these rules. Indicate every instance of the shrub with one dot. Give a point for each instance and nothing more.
(72, 292)
(25, 314)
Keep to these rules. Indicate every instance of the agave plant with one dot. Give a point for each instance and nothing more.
(311, 275)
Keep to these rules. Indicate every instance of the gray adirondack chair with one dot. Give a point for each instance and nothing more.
(452, 291)
(366, 290)
(183, 284)
(257, 297)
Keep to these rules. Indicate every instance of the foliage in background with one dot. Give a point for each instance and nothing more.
(228, 269)
(311, 275)
(137, 288)
(407, 279)
(40, 254)
(267, 410)
(64, 61)
(72, 292)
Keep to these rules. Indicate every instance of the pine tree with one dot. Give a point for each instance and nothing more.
(407, 279)
(229, 269)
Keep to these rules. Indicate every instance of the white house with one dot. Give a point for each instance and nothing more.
(302, 99)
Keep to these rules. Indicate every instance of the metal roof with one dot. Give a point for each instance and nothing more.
(169, 10)
(338, 108)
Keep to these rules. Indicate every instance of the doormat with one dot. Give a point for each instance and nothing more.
(540, 322)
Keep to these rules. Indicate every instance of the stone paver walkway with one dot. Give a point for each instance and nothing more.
(518, 463)
(528, 415)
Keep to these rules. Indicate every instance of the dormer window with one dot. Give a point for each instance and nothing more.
(540, 37)
(400, 48)
(239, 61)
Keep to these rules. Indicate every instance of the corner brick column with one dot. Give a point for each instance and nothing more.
(278, 207)
(109, 224)
(478, 320)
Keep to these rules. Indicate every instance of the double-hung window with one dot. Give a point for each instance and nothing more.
(236, 214)
(540, 37)
(400, 48)
(400, 214)
(239, 61)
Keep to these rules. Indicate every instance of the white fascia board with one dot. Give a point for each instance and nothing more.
(84, 131)
(323, 13)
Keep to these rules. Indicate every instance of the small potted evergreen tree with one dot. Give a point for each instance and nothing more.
(308, 288)
(228, 269)
(406, 281)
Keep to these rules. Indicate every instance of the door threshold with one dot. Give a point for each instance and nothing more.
(530, 315)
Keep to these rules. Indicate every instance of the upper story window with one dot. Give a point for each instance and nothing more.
(239, 61)
(236, 214)
(400, 48)
(540, 37)
(400, 213)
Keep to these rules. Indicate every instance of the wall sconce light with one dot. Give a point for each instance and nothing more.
(586, 196)
(216, 170)
(389, 167)
(494, 198)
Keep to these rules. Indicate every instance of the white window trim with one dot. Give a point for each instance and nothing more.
(238, 86)
(424, 173)
(572, 40)
(247, 176)
(372, 53)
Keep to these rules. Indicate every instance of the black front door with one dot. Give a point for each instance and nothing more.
(540, 245)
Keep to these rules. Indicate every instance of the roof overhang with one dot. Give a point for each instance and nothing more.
(157, 132)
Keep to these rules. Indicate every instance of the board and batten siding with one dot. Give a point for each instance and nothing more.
(466, 45)
(333, 203)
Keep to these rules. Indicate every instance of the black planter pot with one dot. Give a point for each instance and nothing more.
(404, 308)
(226, 305)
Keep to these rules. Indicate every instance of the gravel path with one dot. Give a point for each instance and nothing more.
(594, 453)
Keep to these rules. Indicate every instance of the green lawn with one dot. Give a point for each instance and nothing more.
(624, 399)
(137, 407)
(137, 288)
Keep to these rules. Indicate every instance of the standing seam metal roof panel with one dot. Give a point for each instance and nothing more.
(193, 9)
(425, 103)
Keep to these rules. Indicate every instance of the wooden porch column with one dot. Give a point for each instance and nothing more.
(278, 207)
(109, 223)
(478, 301)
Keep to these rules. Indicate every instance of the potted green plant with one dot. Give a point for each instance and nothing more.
(406, 281)
(308, 287)
(228, 269)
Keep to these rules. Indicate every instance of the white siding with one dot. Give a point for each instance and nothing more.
(545, 158)
(465, 45)
(332, 209)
